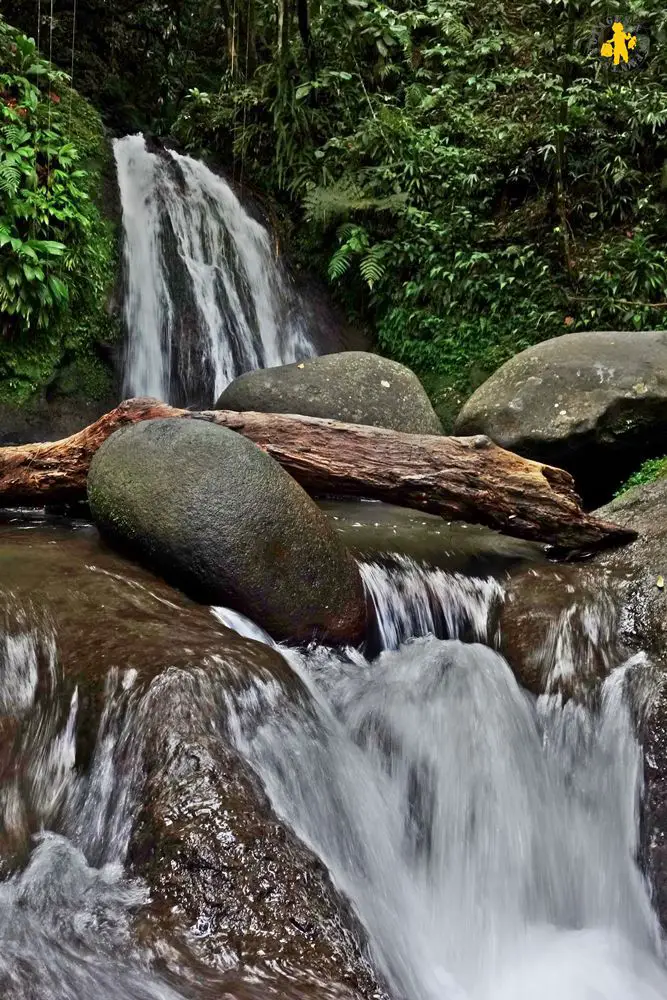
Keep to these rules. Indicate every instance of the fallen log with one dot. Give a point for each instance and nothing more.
(467, 479)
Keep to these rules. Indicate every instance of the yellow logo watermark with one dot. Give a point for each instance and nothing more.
(621, 43)
(619, 47)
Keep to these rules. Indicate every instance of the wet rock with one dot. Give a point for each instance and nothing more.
(625, 581)
(639, 568)
(73, 615)
(372, 529)
(218, 517)
(239, 908)
(354, 386)
(558, 629)
(49, 420)
(592, 403)
(228, 881)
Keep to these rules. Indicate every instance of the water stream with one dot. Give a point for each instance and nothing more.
(206, 297)
(486, 839)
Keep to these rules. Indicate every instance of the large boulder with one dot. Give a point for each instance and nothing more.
(592, 403)
(218, 517)
(355, 387)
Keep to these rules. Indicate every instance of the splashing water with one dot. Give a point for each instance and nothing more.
(486, 839)
(205, 297)
(486, 842)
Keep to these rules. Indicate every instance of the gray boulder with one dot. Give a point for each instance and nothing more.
(592, 403)
(355, 387)
(218, 517)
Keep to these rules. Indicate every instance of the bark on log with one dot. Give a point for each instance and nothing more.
(468, 479)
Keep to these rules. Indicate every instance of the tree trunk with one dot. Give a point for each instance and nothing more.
(468, 479)
(283, 27)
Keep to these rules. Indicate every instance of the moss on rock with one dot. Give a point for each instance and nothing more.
(31, 355)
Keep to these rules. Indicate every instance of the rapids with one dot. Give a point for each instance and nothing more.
(486, 840)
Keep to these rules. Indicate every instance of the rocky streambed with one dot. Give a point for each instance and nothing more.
(253, 745)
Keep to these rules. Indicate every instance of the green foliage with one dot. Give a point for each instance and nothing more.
(57, 254)
(652, 469)
(469, 175)
(132, 57)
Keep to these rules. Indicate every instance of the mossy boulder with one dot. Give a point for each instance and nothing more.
(354, 386)
(219, 518)
(592, 403)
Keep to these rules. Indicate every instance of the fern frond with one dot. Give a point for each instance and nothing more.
(10, 178)
(371, 267)
(339, 263)
(323, 204)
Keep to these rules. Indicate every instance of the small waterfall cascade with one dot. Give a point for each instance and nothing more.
(486, 839)
(205, 297)
(411, 599)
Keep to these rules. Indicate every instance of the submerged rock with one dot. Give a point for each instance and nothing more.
(593, 403)
(371, 529)
(558, 630)
(354, 386)
(218, 517)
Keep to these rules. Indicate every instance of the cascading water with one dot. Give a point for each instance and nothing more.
(205, 297)
(485, 839)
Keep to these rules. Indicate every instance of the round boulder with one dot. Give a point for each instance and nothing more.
(216, 516)
(592, 403)
(355, 387)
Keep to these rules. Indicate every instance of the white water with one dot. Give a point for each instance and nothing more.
(411, 600)
(205, 297)
(487, 841)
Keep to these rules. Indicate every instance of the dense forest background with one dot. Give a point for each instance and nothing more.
(470, 176)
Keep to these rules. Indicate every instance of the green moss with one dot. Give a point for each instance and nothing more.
(652, 469)
(445, 395)
(31, 357)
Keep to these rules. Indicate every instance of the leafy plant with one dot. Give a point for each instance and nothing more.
(652, 469)
(55, 249)
(470, 176)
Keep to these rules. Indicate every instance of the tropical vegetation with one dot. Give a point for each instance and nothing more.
(470, 177)
(56, 250)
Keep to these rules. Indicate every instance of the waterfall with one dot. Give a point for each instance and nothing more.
(205, 297)
(411, 599)
(486, 842)
(485, 839)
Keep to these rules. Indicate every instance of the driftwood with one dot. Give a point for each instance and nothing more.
(468, 479)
